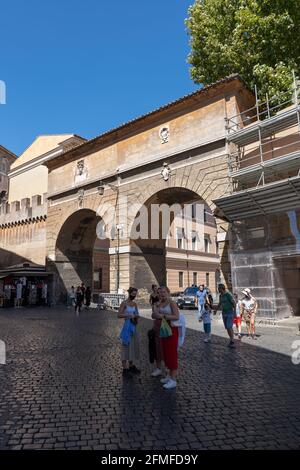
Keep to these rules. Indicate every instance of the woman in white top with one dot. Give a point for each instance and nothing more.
(167, 308)
(248, 312)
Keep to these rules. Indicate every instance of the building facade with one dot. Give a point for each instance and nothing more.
(23, 214)
(7, 159)
(191, 249)
(173, 156)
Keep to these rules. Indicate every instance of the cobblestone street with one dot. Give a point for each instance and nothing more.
(62, 388)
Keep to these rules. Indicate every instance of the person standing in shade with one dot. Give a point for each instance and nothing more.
(154, 299)
(129, 335)
(71, 297)
(78, 300)
(201, 299)
(88, 296)
(248, 312)
(153, 295)
(44, 293)
(19, 291)
(227, 305)
(168, 309)
(82, 287)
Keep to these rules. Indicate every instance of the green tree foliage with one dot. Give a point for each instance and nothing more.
(259, 39)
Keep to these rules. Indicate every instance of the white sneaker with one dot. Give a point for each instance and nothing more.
(156, 373)
(170, 384)
(165, 380)
(206, 340)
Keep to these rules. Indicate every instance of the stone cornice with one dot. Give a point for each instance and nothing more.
(123, 170)
(226, 87)
(27, 221)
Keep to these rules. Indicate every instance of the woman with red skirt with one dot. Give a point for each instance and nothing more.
(167, 308)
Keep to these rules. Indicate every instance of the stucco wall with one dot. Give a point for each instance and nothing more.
(28, 184)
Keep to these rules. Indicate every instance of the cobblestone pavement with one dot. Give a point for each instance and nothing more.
(275, 338)
(62, 388)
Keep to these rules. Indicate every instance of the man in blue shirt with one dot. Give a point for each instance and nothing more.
(201, 299)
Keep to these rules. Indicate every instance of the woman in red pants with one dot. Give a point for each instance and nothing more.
(167, 308)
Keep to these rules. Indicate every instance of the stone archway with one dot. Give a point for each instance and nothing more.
(119, 204)
(153, 249)
(79, 255)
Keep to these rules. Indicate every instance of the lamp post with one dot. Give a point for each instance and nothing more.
(119, 227)
(101, 188)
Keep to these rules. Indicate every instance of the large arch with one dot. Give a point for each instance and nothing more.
(79, 254)
(154, 255)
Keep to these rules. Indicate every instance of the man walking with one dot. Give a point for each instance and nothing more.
(201, 299)
(227, 305)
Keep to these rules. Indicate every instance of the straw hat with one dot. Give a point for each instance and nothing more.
(246, 291)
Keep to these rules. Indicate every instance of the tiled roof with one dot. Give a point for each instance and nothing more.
(171, 104)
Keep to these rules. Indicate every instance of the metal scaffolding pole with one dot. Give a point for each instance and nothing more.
(296, 99)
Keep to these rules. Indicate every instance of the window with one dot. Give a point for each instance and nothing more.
(208, 216)
(194, 240)
(207, 279)
(3, 166)
(180, 237)
(180, 279)
(257, 232)
(98, 280)
(193, 211)
(206, 244)
(195, 279)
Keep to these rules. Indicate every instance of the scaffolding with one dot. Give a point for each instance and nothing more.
(264, 140)
(263, 206)
(265, 257)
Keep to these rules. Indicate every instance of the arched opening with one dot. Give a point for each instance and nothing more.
(174, 241)
(80, 256)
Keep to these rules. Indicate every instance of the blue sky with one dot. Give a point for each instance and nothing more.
(87, 66)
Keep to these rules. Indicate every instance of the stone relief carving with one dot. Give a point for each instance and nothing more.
(80, 197)
(81, 172)
(164, 134)
(166, 172)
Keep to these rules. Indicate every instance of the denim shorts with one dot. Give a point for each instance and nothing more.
(228, 319)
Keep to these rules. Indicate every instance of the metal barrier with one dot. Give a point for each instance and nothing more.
(107, 300)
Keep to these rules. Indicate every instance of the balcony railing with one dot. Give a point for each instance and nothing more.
(279, 105)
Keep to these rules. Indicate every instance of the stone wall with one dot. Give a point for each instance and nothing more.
(205, 175)
(23, 232)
